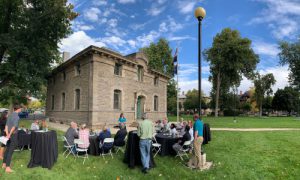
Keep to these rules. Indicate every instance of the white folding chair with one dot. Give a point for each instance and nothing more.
(107, 140)
(79, 150)
(156, 147)
(68, 147)
(121, 148)
(184, 151)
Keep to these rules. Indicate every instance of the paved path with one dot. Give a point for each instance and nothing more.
(64, 127)
(255, 129)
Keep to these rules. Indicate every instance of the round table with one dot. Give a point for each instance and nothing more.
(132, 155)
(24, 139)
(166, 141)
(44, 149)
(94, 146)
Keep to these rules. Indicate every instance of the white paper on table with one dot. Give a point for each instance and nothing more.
(3, 140)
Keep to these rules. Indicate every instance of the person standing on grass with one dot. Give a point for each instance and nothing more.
(3, 120)
(11, 130)
(145, 132)
(195, 161)
(122, 120)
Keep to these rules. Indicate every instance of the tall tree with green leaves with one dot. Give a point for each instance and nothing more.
(191, 102)
(160, 57)
(230, 58)
(30, 32)
(263, 86)
(172, 97)
(286, 99)
(290, 55)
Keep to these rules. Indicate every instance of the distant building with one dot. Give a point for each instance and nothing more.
(181, 100)
(98, 84)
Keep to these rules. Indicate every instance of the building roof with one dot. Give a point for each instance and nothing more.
(107, 52)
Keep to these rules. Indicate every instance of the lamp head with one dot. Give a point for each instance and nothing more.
(200, 13)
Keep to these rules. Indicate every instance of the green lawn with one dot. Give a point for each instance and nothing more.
(236, 155)
(248, 122)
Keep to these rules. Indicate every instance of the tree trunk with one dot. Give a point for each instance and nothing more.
(217, 94)
(260, 109)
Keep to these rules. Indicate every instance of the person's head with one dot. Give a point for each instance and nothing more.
(187, 128)
(184, 123)
(165, 121)
(36, 121)
(196, 116)
(17, 108)
(159, 121)
(83, 126)
(4, 115)
(104, 128)
(73, 125)
(144, 116)
(172, 126)
(121, 115)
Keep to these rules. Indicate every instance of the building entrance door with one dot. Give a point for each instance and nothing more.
(140, 107)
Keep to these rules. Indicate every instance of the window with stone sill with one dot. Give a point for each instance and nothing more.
(64, 76)
(140, 73)
(156, 80)
(77, 69)
(52, 102)
(155, 103)
(63, 101)
(77, 99)
(118, 69)
(117, 99)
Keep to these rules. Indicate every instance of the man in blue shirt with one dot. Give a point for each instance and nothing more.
(195, 161)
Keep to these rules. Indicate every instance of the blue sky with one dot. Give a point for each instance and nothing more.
(127, 25)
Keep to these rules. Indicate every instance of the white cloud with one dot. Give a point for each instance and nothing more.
(81, 26)
(280, 75)
(170, 25)
(264, 48)
(132, 43)
(92, 14)
(126, 1)
(282, 17)
(114, 41)
(180, 38)
(154, 11)
(77, 41)
(99, 2)
(112, 23)
(146, 39)
(186, 6)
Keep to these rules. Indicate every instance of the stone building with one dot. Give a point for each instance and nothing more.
(98, 84)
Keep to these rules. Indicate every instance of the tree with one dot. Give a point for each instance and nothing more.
(267, 103)
(263, 86)
(172, 97)
(35, 105)
(30, 32)
(290, 55)
(160, 57)
(230, 57)
(286, 99)
(191, 102)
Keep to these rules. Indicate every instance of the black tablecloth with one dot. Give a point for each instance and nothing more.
(24, 139)
(44, 149)
(206, 134)
(94, 146)
(132, 155)
(166, 142)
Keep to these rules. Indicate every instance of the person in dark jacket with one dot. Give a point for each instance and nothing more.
(105, 147)
(186, 137)
(119, 139)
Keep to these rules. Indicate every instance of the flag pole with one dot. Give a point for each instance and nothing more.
(177, 92)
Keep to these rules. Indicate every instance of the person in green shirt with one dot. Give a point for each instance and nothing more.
(145, 132)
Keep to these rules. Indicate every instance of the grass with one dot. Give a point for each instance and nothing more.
(248, 122)
(236, 155)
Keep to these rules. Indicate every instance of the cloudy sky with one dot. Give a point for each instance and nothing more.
(127, 25)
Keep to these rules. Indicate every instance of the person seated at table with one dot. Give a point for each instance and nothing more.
(184, 124)
(84, 137)
(35, 126)
(159, 125)
(122, 119)
(22, 129)
(166, 125)
(104, 147)
(173, 129)
(44, 125)
(191, 131)
(71, 134)
(119, 139)
(186, 137)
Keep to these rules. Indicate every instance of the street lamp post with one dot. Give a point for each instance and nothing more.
(199, 14)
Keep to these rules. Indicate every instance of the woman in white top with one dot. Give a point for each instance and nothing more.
(35, 126)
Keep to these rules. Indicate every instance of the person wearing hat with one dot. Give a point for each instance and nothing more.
(145, 132)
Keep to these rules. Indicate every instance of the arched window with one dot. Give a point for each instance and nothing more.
(52, 102)
(117, 99)
(77, 99)
(155, 103)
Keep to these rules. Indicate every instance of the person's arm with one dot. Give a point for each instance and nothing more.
(195, 134)
(6, 130)
(11, 132)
